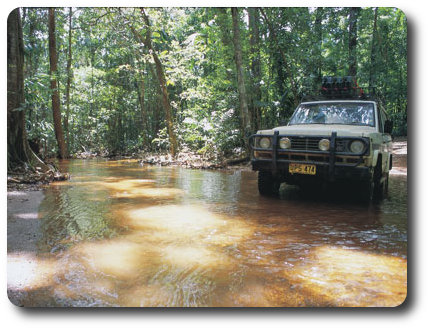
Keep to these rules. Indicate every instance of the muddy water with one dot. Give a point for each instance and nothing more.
(122, 234)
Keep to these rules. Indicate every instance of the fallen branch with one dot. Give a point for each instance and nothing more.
(25, 175)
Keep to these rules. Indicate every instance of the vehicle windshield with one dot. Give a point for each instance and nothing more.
(343, 113)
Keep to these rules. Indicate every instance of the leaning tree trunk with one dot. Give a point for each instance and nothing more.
(143, 112)
(18, 149)
(161, 81)
(54, 86)
(246, 123)
(163, 86)
(166, 104)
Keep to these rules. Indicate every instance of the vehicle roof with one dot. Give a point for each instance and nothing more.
(339, 100)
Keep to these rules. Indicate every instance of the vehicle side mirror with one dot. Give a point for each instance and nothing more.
(282, 122)
(388, 127)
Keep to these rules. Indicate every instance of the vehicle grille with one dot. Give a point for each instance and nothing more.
(311, 144)
(304, 143)
(341, 145)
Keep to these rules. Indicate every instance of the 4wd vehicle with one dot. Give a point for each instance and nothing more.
(339, 136)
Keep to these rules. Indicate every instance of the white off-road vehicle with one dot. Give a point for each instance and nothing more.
(337, 137)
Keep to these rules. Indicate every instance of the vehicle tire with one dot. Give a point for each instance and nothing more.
(366, 191)
(384, 186)
(387, 182)
(381, 188)
(268, 185)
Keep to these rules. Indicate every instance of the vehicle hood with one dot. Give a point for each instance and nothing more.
(322, 130)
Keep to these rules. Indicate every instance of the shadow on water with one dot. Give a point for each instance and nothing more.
(122, 234)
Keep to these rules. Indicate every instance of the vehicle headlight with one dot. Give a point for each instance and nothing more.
(285, 143)
(324, 144)
(264, 142)
(356, 146)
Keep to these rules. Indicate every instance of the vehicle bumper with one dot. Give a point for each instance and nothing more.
(336, 172)
(351, 167)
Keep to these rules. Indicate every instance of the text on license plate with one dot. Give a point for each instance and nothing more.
(302, 169)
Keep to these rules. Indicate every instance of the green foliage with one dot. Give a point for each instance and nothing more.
(115, 101)
(161, 142)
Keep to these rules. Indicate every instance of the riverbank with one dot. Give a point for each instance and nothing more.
(33, 181)
(26, 178)
(192, 160)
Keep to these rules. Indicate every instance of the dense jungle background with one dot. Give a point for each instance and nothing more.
(118, 81)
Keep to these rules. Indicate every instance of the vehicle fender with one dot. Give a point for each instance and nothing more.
(386, 162)
(375, 158)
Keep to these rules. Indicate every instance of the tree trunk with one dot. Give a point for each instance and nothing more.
(69, 80)
(29, 70)
(17, 146)
(161, 80)
(166, 104)
(18, 149)
(246, 123)
(222, 20)
(352, 44)
(143, 111)
(141, 94)
(254, 42)
(56, 111)
(373, 53)
(154, 104)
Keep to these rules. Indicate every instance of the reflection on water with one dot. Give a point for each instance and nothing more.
(121, 234)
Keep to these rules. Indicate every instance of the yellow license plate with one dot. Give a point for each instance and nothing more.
(302, 169)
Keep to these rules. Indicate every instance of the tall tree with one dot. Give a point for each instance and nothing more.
(373, 52)
(55, 97)
(246, 123)
(141, 95)
(161, 80)
(254, 42)
(69, 81)
(18, 150)
(352, 43)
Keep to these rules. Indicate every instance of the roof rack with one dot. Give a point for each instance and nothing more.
(345, 88)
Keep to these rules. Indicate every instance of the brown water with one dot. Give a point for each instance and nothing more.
(122, 234)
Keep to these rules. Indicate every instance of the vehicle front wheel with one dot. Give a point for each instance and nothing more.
(268, 185)
(381, 188)
(366, 190)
